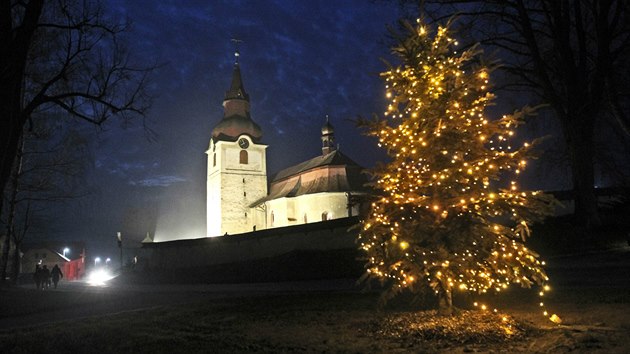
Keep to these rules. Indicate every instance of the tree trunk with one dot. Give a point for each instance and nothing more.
(15, 260)
(9, 149)
(4, 261)
(445, 302)
(581, 149)
(15, 43)
(10, 133)
(4, 258)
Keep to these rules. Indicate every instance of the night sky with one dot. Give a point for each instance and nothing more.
(300, 61)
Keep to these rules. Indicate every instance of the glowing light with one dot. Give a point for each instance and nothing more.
(99, 277)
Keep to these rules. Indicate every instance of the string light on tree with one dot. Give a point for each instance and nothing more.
(451, 216)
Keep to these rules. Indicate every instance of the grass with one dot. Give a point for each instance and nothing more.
(332, 322)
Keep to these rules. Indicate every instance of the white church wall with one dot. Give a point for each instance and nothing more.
(292, 211)
(213, 185)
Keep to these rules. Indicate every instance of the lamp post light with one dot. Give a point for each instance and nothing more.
(66, 250)
(107, 260)
(119, 235)
(97, 260)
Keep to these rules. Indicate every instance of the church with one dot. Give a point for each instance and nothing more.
(239, 196)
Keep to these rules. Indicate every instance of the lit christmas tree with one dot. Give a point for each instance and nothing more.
(451, 217)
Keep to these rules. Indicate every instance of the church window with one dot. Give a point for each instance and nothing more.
(244, 194)
(272, 218)
(325, 216)
(214, 159)
(245, 214)
(305, 219)
(243, 180)
(243, 157)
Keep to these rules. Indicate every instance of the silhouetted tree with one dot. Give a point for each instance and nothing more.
(49, 168)
(64, 56)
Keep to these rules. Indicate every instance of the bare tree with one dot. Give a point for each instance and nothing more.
(49, 169)
(574, 55)
(65, 56)
(10, 221)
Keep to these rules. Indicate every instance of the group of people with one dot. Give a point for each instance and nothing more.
(45, 278)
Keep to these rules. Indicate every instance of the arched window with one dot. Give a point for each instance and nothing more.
(325, 216)
(272, 218)
(305, 219)
(214, 159)
(243, 157)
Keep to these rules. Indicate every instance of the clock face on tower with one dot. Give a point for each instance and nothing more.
(243, 143)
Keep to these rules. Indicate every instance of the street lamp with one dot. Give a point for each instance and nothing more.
(107, 261)
(66, 250)
(97, 260)
(120, 246)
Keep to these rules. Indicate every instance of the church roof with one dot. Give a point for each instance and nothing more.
(230, 128)
(290, 182)
(237, 89)
(327, 128)
(334, 158)
(236, 119)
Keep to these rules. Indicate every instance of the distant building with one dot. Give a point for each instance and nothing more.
(322, 188)
(72, 265)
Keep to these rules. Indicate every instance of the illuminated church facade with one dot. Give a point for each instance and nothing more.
(239, 196)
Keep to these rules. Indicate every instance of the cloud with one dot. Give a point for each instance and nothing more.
(157, 181)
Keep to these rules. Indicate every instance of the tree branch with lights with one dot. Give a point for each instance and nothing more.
(450, 216)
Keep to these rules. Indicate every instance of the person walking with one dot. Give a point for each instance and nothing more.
(56, 275)
(37, 276)
(45, 277)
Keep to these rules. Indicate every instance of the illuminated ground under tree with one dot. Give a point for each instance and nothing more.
(451, 216)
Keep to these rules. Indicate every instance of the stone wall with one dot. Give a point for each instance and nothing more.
(251, 246)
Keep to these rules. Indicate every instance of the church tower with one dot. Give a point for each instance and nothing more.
(237, 166)
(328, 137)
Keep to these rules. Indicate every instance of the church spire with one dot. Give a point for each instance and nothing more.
(328, 137)
(236, 117)
(237, 90)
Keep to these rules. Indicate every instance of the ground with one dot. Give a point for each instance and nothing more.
(591, 293)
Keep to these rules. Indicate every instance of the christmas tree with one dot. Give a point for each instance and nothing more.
(450, 216)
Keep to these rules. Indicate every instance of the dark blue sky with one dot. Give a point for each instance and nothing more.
(300, 60)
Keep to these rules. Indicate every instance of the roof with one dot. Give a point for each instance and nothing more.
(236, 119)
(327, 129)
(52, 251)
(290, 182)
(230, 128)
(237, 89)
(334, 158)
